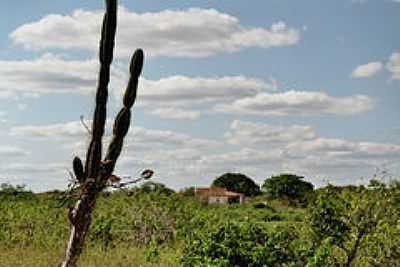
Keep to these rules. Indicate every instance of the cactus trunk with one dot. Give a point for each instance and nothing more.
(94, 175)
(80, 223)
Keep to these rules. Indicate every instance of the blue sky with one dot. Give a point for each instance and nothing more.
(261, 88)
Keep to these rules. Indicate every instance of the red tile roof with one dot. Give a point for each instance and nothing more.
(216, 192)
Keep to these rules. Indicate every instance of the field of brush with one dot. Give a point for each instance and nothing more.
(162, 228)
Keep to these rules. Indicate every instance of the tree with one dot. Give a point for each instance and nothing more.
(361, 223)
(95, 174)
(237, 182)
(287, 186)
(148, 187)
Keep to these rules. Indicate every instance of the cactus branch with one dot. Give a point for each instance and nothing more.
(93, 156)
(122, 121)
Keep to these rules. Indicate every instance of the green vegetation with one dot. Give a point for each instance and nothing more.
(288, 186)
(237, 182)
(152, 225)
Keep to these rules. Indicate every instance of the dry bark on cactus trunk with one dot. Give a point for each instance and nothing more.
(93, 177)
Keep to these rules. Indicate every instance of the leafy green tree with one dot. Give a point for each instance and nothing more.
(237, 182)
(358, 222)
(287, 186)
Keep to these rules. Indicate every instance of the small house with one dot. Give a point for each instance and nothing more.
(218, 195)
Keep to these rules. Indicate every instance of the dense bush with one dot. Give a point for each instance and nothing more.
(356, 225)
(240, 244)
(237, 182)
(288, 186)
(327, 218)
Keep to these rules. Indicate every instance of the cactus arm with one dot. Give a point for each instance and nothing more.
(122, 121)
(78, 169)
(94, 152)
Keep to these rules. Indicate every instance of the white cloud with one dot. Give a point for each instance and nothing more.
(73, 129)
(393, 65)
(176, 113)
(338, 160)
(332, 167)
(378, 150)
(251, 133)
(298, 103)
(154, 138)
(243, 157)
(187, 90)
(367, 70)
(194, 32)
(48, 74)
(51, 74)
(341, 149)
(12, 152)
(320, 145)
(138, 137)
(33, 168)
(180, 159)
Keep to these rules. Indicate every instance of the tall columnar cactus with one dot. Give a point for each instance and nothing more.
(94, 174)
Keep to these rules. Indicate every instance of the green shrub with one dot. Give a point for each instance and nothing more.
(240, 244)
(101, 231)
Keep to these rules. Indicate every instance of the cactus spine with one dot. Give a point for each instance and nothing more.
(94, 175)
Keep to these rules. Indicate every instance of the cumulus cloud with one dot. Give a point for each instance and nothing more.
(344, 149)
(194, 32)
(71, 130)
(339, 161)
(367, 70)
(156, 137)
(181, 159)
(33, 168)
(332, 167)
(187, 90)
(255, 133)
(176, 114)
(393, 65)
(52, 74)
(138, 137)
(321, 145)
(243, 157)
(298, 103)
(48, 74)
